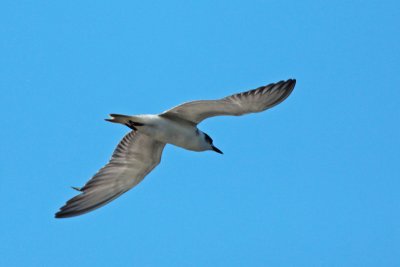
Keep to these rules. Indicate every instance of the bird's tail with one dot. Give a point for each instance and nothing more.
(130, 121)
(118, 118)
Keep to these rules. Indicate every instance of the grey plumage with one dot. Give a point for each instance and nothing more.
(251, 101)
(135, 156)
(139, 152)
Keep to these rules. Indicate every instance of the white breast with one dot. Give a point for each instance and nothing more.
(173, 132)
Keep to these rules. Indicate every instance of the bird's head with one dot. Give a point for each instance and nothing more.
(209, 141)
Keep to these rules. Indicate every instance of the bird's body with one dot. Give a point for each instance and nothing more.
(139, 152)
(168, 130)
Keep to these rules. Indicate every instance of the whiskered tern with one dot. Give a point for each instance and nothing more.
(139, 152)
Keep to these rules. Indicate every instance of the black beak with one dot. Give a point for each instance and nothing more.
(216, 150)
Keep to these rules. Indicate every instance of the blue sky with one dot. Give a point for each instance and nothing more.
(312, 182)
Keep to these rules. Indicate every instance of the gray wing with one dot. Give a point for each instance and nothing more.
(251, 101)
(135, 156)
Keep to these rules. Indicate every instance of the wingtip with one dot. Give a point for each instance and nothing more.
(58, 215)
(290, 84)
(62, 214)
(284, 87)
(291, 81)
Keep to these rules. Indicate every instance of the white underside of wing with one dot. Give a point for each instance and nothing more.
(135, 156)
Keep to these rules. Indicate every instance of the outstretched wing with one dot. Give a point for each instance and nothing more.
(135, 156)
(251, 101)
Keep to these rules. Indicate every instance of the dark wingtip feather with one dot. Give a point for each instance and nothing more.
(72, 208)
(291, 83)
(67, 214)
(282, 85)
(61, 214)
(58, 215)
(288, 86)
(285, 86)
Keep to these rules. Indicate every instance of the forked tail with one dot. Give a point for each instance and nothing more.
(124, 119)
(118, 118)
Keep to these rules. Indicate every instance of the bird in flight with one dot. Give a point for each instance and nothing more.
(139, 152)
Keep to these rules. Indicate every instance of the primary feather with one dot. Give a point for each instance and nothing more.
(135, 156)
(251, 101)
